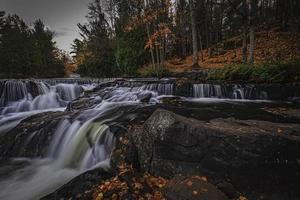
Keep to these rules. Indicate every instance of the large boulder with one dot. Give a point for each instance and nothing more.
(192, 188)
(259, 158)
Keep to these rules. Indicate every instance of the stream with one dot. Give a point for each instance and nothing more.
(88, 113)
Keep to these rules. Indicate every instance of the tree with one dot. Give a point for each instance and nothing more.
(26, 52)
(194, 33)
(130, 52)
(97, 44)
(251, 30)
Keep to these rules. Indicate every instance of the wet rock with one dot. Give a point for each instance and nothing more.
(31, 137)
(32, 88)
(183, 89)
(83, 103)
(192, 188)
(81, 187)
(145, 97)
(256, 157)
(228, 189)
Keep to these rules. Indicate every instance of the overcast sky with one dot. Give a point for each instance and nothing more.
(61, 16)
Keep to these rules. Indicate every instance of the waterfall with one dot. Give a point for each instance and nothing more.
(228, 92)
(86, 141)
(160, 88)
(22, 96)
(79, 144)
(13, 91)
(83, 140)
(68, 92)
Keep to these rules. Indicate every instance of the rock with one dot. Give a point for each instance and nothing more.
(81, 187)
(83, 103)
(183, 89)
(31, 137)
(228, 189)
(144, 97)
(192, 188)
(32, 88)
(236, 151)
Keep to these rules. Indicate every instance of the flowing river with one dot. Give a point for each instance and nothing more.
(83, 139)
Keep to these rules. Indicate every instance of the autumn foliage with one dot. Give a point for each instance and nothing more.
(271, 46)
(129, 184)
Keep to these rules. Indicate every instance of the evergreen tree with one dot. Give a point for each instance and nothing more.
(26, 52)
(101, 61)
(130, 52)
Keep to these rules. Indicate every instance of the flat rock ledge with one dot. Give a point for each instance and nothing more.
(257, 158)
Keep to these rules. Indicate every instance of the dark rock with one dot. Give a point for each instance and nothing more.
(84, 103)
(145, 97)
(254, 156)
(81, 187)
(184, 89)
(192, 188)
(228, 189)
(32, 88)
(31, 137)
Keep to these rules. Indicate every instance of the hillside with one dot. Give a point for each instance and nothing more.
(271, 46)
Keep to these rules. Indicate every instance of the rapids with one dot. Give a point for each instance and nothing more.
(78, 144)
(83, 140)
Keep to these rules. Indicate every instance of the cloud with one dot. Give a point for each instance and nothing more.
(64, 31)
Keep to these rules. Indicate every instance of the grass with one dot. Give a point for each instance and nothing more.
(269, 72)
(156, 72)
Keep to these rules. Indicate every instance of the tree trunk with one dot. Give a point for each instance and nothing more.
(194, 33)
(252, 44)
(201, 46)
(245, 30)
(244, 48)
(251, 31)
(151, 49)
(146, 3)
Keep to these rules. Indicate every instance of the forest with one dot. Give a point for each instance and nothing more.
(121, 37)
(28, 51)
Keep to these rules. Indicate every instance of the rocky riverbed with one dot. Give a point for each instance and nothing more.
(204, 142)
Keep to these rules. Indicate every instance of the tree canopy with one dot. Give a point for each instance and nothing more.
(123, 35)
(27, 51)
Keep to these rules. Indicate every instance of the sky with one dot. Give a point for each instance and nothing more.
(60, 16)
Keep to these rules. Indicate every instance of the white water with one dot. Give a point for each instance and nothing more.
(70, 154)
(16, 98)
(228, 92)
(85, 141)
(78, 145)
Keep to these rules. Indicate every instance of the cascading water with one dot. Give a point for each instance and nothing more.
(13, 91)
(21, 99)
(79, 143)
(68, 92)
(83, 140)
(228, 92)
(19, 96)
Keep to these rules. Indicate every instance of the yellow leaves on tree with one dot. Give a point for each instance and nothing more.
(70, 68)
(155, 39)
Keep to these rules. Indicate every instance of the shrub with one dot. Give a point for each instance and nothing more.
(156, 72)
(270, 72)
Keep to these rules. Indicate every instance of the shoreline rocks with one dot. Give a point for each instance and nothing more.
(258, 158)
